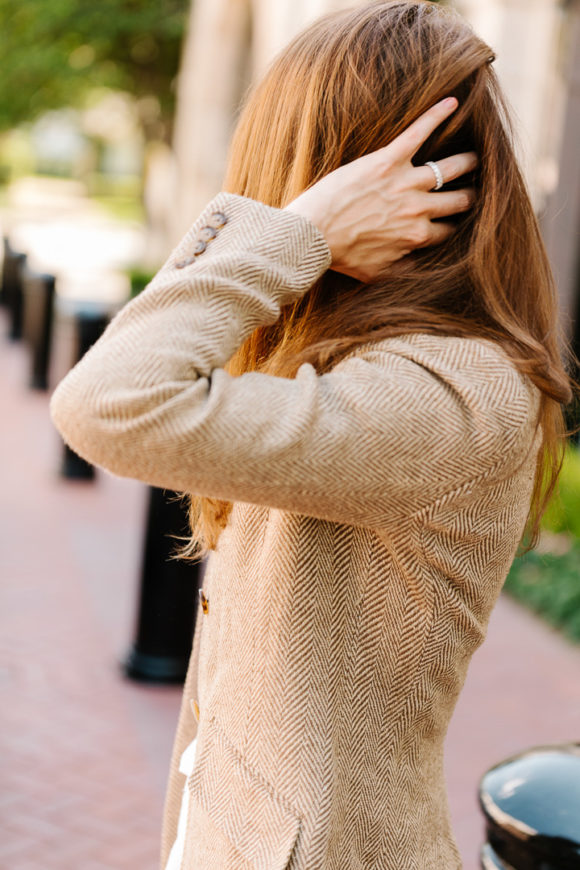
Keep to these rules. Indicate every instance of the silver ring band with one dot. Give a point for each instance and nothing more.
(437, 172)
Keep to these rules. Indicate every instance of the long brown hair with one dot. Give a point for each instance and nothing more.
(344, 87)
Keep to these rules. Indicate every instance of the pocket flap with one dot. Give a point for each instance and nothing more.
(258, 821)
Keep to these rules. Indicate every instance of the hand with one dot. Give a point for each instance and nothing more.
(378, 208)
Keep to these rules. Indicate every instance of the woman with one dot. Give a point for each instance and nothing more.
(352, 365)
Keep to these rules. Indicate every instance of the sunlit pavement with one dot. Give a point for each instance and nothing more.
(522, 690)
(72, 237)
(85, 752)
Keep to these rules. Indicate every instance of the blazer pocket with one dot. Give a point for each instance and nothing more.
(258, 821)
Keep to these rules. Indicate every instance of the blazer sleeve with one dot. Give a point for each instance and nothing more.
(381, 435)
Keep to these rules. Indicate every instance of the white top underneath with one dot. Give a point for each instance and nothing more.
(186, 767)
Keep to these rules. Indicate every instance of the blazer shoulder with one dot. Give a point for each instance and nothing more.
(476, 376)
(480, 366)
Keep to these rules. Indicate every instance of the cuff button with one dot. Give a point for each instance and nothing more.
(217, 220)
(183, 263)
(207, 234)
(199, 247)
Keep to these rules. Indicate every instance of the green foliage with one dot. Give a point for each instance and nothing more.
(54, 51)
(549, 584)
(124, 208)
(563, 512)
(139, 279)
(100, 184)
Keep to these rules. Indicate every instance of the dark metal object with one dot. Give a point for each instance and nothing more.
(5, 257)
(491, 861)
(89, 325)
(12, 267)
(38, 317)
(531, 804)
(167, 603)
(168, 597)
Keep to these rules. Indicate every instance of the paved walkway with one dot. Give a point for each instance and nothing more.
(85, 752)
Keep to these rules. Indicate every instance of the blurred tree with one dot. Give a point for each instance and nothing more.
(55, 51)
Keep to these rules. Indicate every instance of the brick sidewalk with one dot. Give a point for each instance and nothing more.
(522, 690)
(85, 753)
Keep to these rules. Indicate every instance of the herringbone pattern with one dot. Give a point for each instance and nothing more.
(378, 509)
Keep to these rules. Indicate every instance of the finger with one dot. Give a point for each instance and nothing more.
(450, 168)
(446, 203)
(439, 233)
(410, 140)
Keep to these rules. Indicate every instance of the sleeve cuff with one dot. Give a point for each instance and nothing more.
(230, 225)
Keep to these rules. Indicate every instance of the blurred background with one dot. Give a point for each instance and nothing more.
(115, 119)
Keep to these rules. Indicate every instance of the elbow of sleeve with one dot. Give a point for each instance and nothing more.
(69, 418)
(85, 429)
(60, 413)
(121, 430)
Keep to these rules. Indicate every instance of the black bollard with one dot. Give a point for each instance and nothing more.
(531, 804)
(12, 268)
(38, 316)
(89, 325)
(168, 597)
(6, 250)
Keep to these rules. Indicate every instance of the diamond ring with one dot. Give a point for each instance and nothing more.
(437, 173)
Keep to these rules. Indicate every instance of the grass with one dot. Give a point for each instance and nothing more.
(549, 584)
(547, 579)
(121, 196)
(563, 512)
(139, 279)
(126, 208)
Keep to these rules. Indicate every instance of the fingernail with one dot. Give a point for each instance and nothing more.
(451, 101)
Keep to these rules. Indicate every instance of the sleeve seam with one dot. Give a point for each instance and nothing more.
(455, 490)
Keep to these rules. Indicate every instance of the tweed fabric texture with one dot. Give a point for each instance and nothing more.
(377, 510)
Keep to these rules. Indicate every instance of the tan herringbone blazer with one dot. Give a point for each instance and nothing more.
(378, 508)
